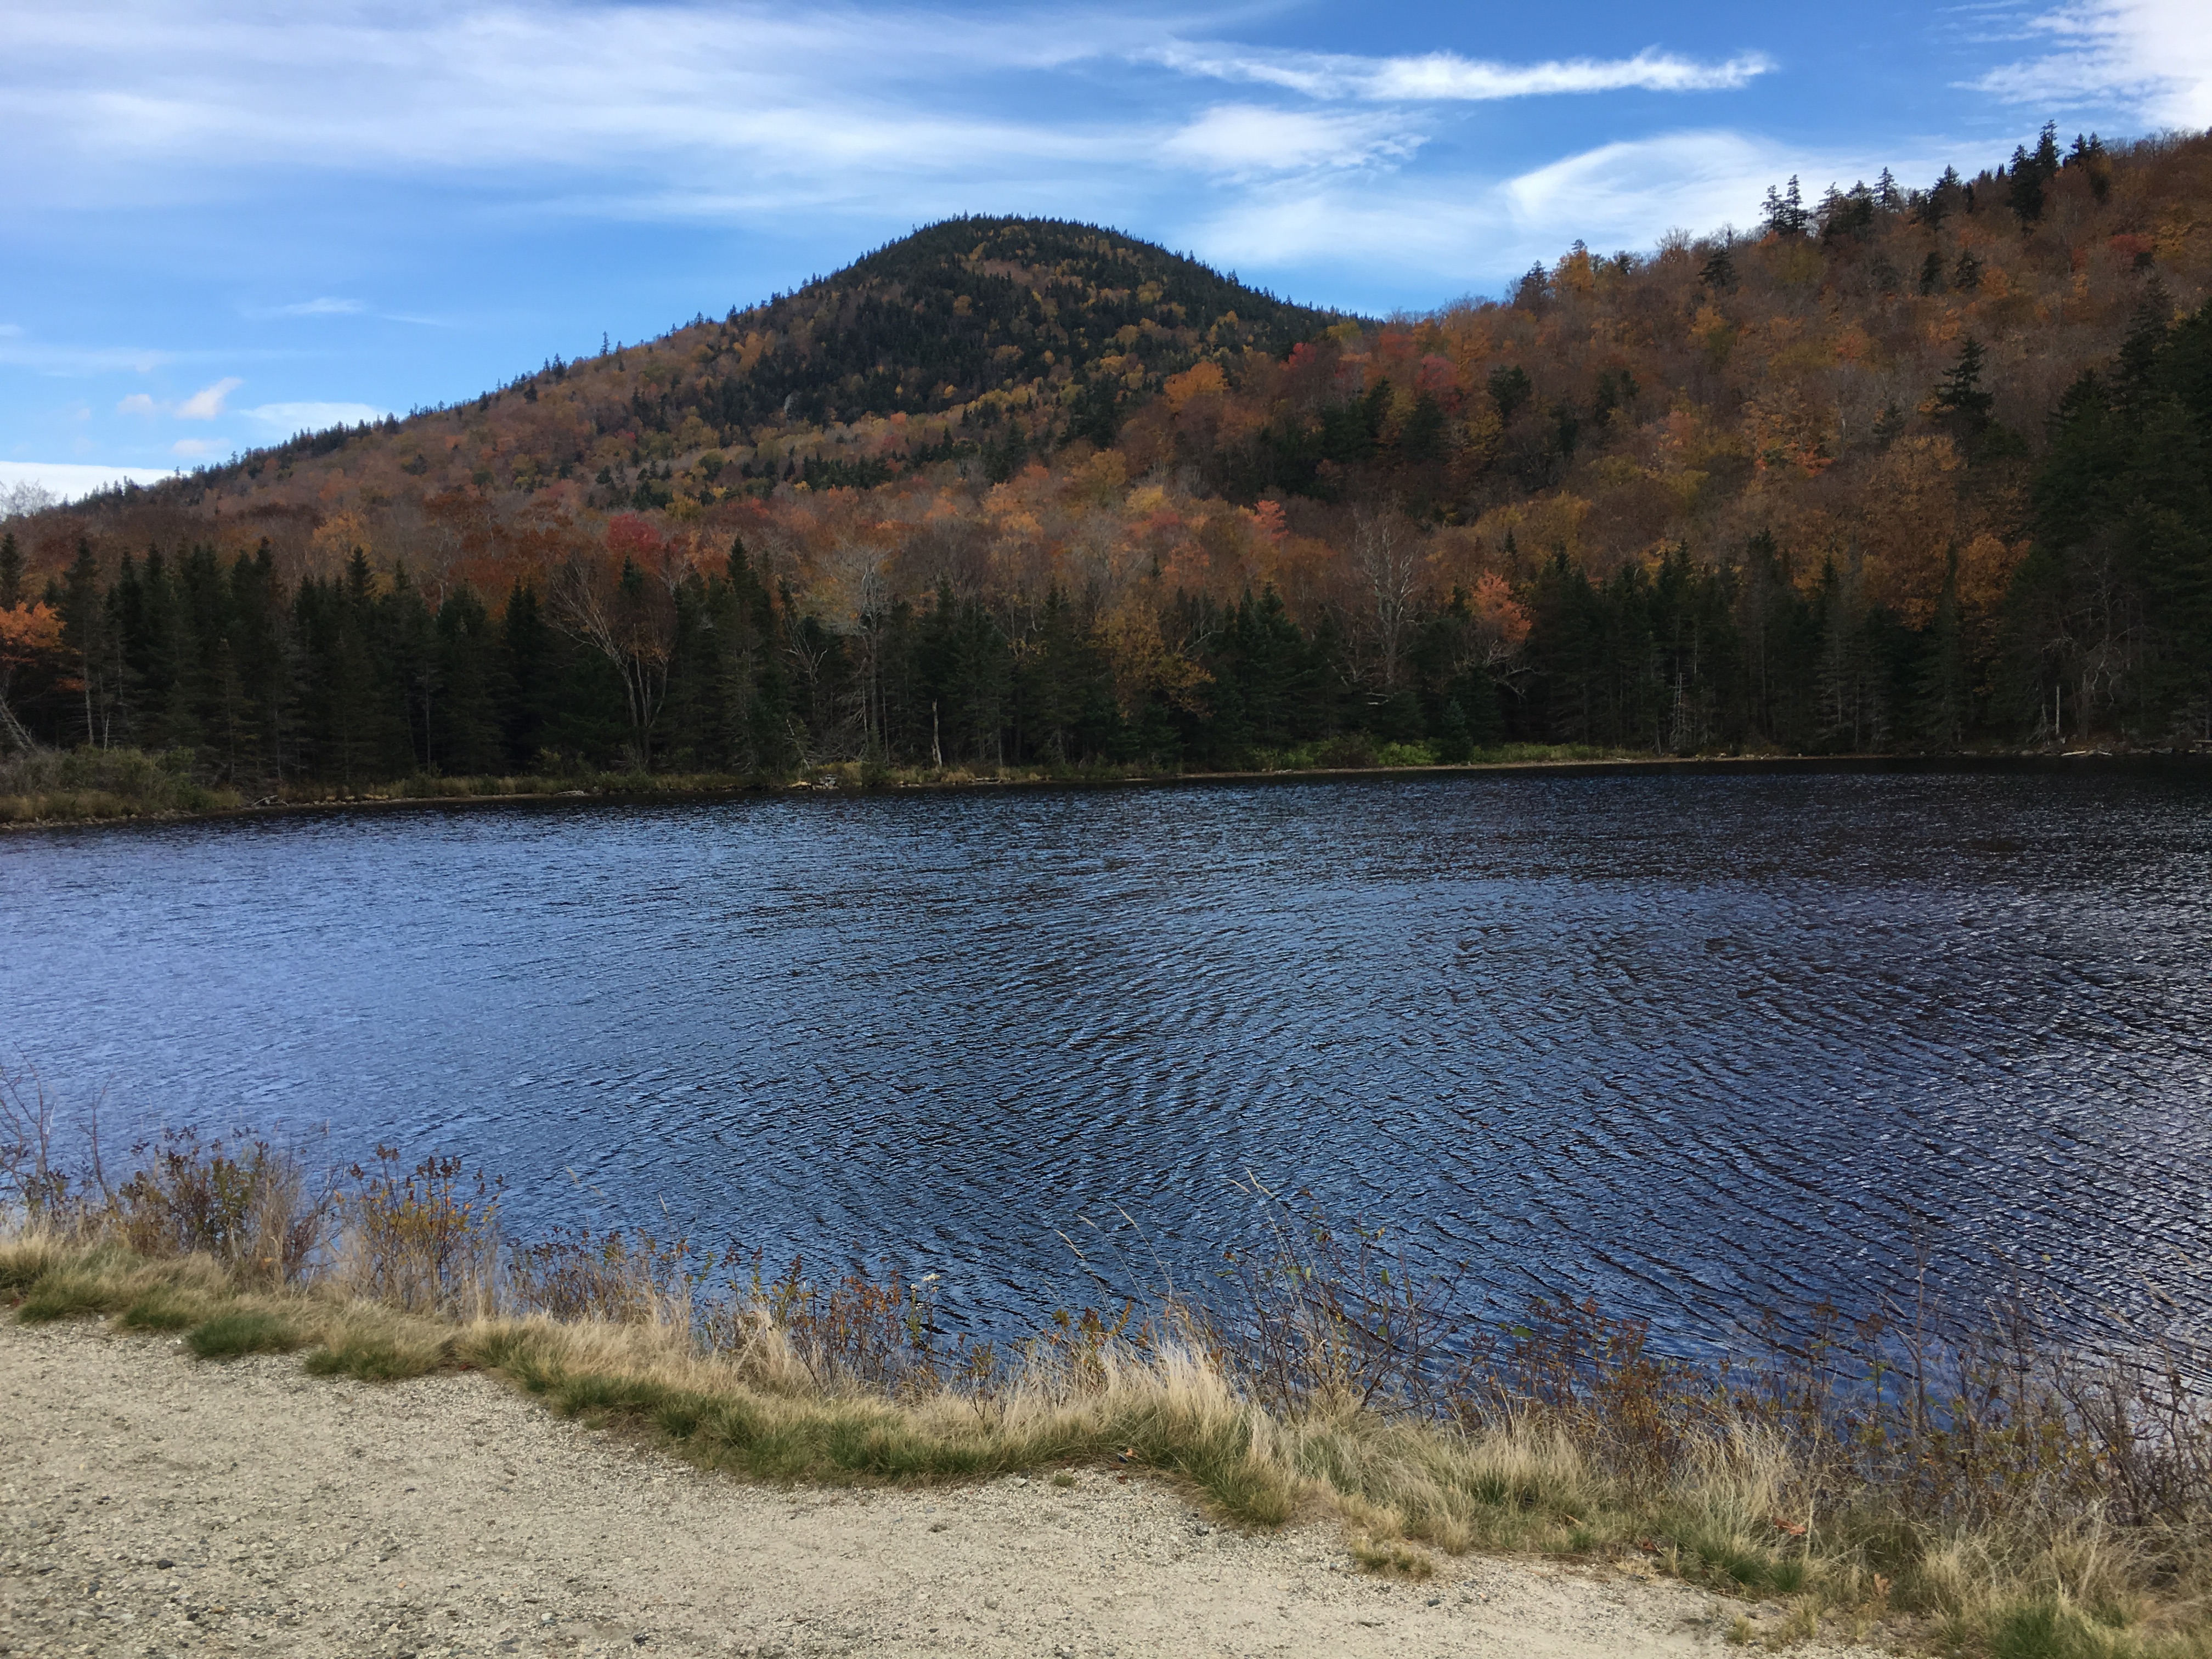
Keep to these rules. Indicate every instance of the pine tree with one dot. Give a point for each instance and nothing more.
(1785, 212)
(462, 735)
(1961, 396)
(88, 638)
(1510, 388)
(527, 650)
(1944, 712)
(261, 656)
(2025, 192)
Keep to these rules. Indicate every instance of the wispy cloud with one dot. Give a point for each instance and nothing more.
(137, 403)
(1447, 76)
(20, 351)
(322, 308)
(195, 449)
(489, 87)
(206, 404)
(1244, 141)
(2150, 59)
(1622, 195)
(728, 111)
(313, 416)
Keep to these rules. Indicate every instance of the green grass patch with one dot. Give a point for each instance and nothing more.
(164, 1307)
(375, 1356)
(251, 1330)
(71, 1292)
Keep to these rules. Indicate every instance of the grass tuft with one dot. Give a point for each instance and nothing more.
(378, 1356)
(252, 1330)
(165, 1308)
(1391, 1557)
(2043, 1509)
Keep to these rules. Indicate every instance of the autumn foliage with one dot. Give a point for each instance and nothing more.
(1010, 490)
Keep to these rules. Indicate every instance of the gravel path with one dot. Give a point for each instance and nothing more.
(157, 1506)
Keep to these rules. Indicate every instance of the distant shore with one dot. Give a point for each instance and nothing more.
(127, 786)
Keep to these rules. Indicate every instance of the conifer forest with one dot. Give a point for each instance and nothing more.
(1898, 470)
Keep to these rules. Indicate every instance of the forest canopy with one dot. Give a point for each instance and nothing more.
(1903, 469)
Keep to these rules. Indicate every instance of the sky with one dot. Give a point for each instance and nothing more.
(222, 222)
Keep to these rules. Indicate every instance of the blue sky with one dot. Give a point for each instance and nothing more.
(224, 221)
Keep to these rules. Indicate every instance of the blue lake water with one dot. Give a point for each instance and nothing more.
(1697, 1045)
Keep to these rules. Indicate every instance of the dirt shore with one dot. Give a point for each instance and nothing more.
(157, 1506)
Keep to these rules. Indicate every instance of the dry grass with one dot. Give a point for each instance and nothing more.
(1984, 1496)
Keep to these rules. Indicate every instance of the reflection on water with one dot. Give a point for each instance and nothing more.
(1699, 1045)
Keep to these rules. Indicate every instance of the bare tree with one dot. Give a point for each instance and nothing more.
(25, 498)
(858, 575)
(628, 618)
(1387, 557)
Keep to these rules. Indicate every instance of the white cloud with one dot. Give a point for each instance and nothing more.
(672, 109)
(137, 403)
(313, 416)
(1625, 195)
(24, 353)
(67, 480)
(206, 405)
(2152, 58)
(837, 95)
(1444, 76)
(193, 449)
(1448, 229)
(1246, 140)
(322, 308)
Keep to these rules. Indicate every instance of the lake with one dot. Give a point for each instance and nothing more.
(1697, 1045)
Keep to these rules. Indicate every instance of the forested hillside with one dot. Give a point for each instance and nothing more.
(1906, 469)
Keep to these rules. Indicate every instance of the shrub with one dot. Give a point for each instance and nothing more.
(424, 1239)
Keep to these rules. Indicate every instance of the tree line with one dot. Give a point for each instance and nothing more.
(366, 676)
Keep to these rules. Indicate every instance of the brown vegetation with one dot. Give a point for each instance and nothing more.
(1841, 429)
(1982, 1491)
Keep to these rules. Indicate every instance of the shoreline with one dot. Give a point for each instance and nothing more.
(1320, 1387)
(195, 1507)
(2179, 762)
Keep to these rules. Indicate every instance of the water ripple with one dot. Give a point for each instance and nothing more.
(1703, 1046)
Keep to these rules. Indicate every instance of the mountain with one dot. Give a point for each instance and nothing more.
(991, 325)
(1907, 468)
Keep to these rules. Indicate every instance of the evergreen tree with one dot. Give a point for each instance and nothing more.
(1944, 711)
(261, 658)
(1961, 397)
(1785, 212)
(89, 637)
(463, 726)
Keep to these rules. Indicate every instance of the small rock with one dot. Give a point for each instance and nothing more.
(165, 1562)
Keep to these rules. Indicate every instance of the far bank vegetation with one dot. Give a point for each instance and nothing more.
(1902, 469)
